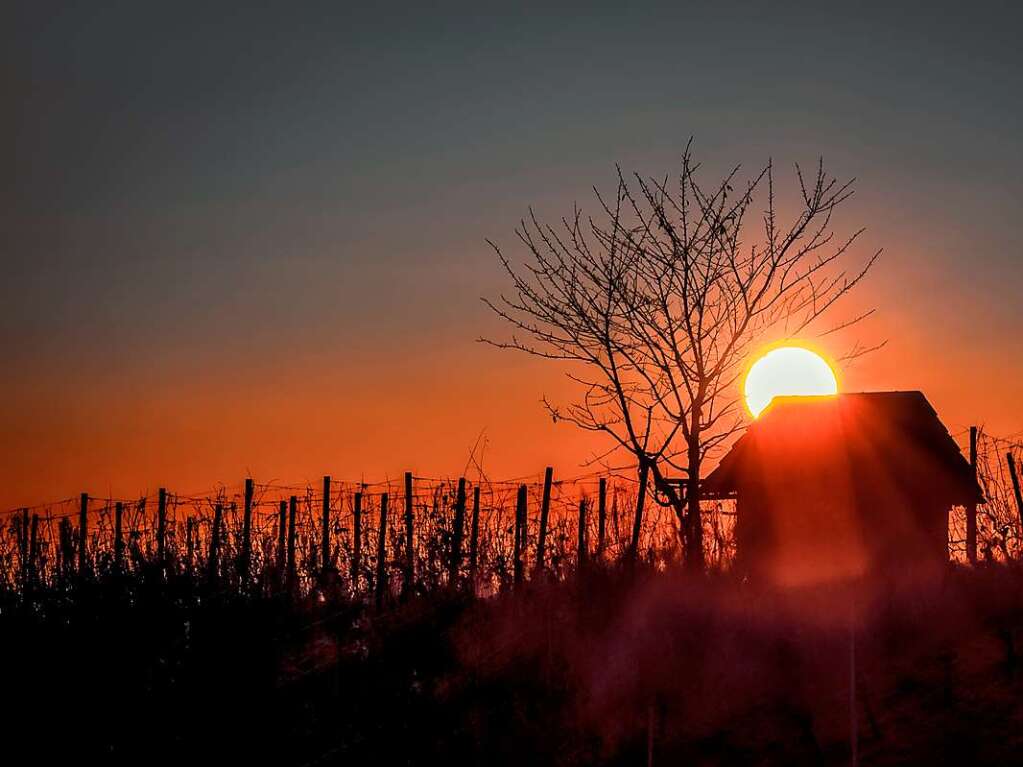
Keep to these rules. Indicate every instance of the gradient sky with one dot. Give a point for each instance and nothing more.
(241, 240)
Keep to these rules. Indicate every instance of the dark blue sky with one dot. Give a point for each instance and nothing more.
(291, 199)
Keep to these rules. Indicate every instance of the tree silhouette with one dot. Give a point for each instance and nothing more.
(655, 304)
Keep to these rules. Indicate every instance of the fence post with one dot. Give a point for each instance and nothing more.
(357, 544)
(637, 522)
(83, 534)
(33, 551)
(410, 555)
(118, 539)
(282, 532)
(971, 507)
(161, 526)
(214, 558)
(520, 533)
(1015, 487)
(381, 584)
(545, 507)
(601, 517)
(292, 513)
(474, 536)
(23, 547)
(67, 551)
(582, 553)
(456, 538)
(190, 534)
(325, 535)
(246, 563)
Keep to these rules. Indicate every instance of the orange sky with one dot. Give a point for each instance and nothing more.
(420, 404)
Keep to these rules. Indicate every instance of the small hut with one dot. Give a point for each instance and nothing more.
(842, 486)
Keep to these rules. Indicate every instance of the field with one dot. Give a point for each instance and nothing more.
(209, 627)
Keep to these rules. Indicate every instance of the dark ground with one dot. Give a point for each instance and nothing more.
(594, 671)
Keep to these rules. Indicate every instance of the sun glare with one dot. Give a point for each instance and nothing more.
(787, 371)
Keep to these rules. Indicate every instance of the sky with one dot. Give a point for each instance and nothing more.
(245, 241)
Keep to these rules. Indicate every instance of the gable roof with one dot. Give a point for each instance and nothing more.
(899, 429)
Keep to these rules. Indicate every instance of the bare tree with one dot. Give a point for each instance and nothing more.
(656, 302)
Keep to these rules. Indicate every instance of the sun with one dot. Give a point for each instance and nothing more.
(787, 371)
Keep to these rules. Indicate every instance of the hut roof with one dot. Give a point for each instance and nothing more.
(898, 429)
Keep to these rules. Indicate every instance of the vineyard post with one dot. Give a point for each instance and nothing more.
(67, 554)
(474, 536)
(33, 550)
(381, 584)
(246, 562)
(292, 513)
(161, 526)
(637, 522)
(325, 535)
(83, 533)
(971, 507)
(601, 516)
(410, 556)
(582, 554)
(214, 557)
(190, 534)
(357, 544)
(282, 532)
(1015, 487)
(23, 546)
(520, 533)
(118, 538)
(545, 507)
(456, 538)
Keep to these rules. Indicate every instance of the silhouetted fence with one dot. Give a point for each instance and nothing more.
(379, 540)
(999, 521)
(393, 539)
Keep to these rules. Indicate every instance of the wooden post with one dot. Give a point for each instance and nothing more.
(292, 513)
(190, 534)
(474, 536)
(581, 550)
(23, 546)
(33, 551)
(1015, 487)
(637, 522)
(455, 563)
(118, 539)
(381, 584)
(213, 563)
(410, 554)
(83, 534)
(520, 533)
(282, 537)
(545, 507)
(971, 507)
(67, 553)
(161, 526)
(357, 543)
(601, 517)
(325, 535)
(245, 565)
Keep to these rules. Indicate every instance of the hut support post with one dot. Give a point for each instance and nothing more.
(1015, 487)
(971, 508)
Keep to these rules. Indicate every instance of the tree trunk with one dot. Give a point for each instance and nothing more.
(694, 520)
